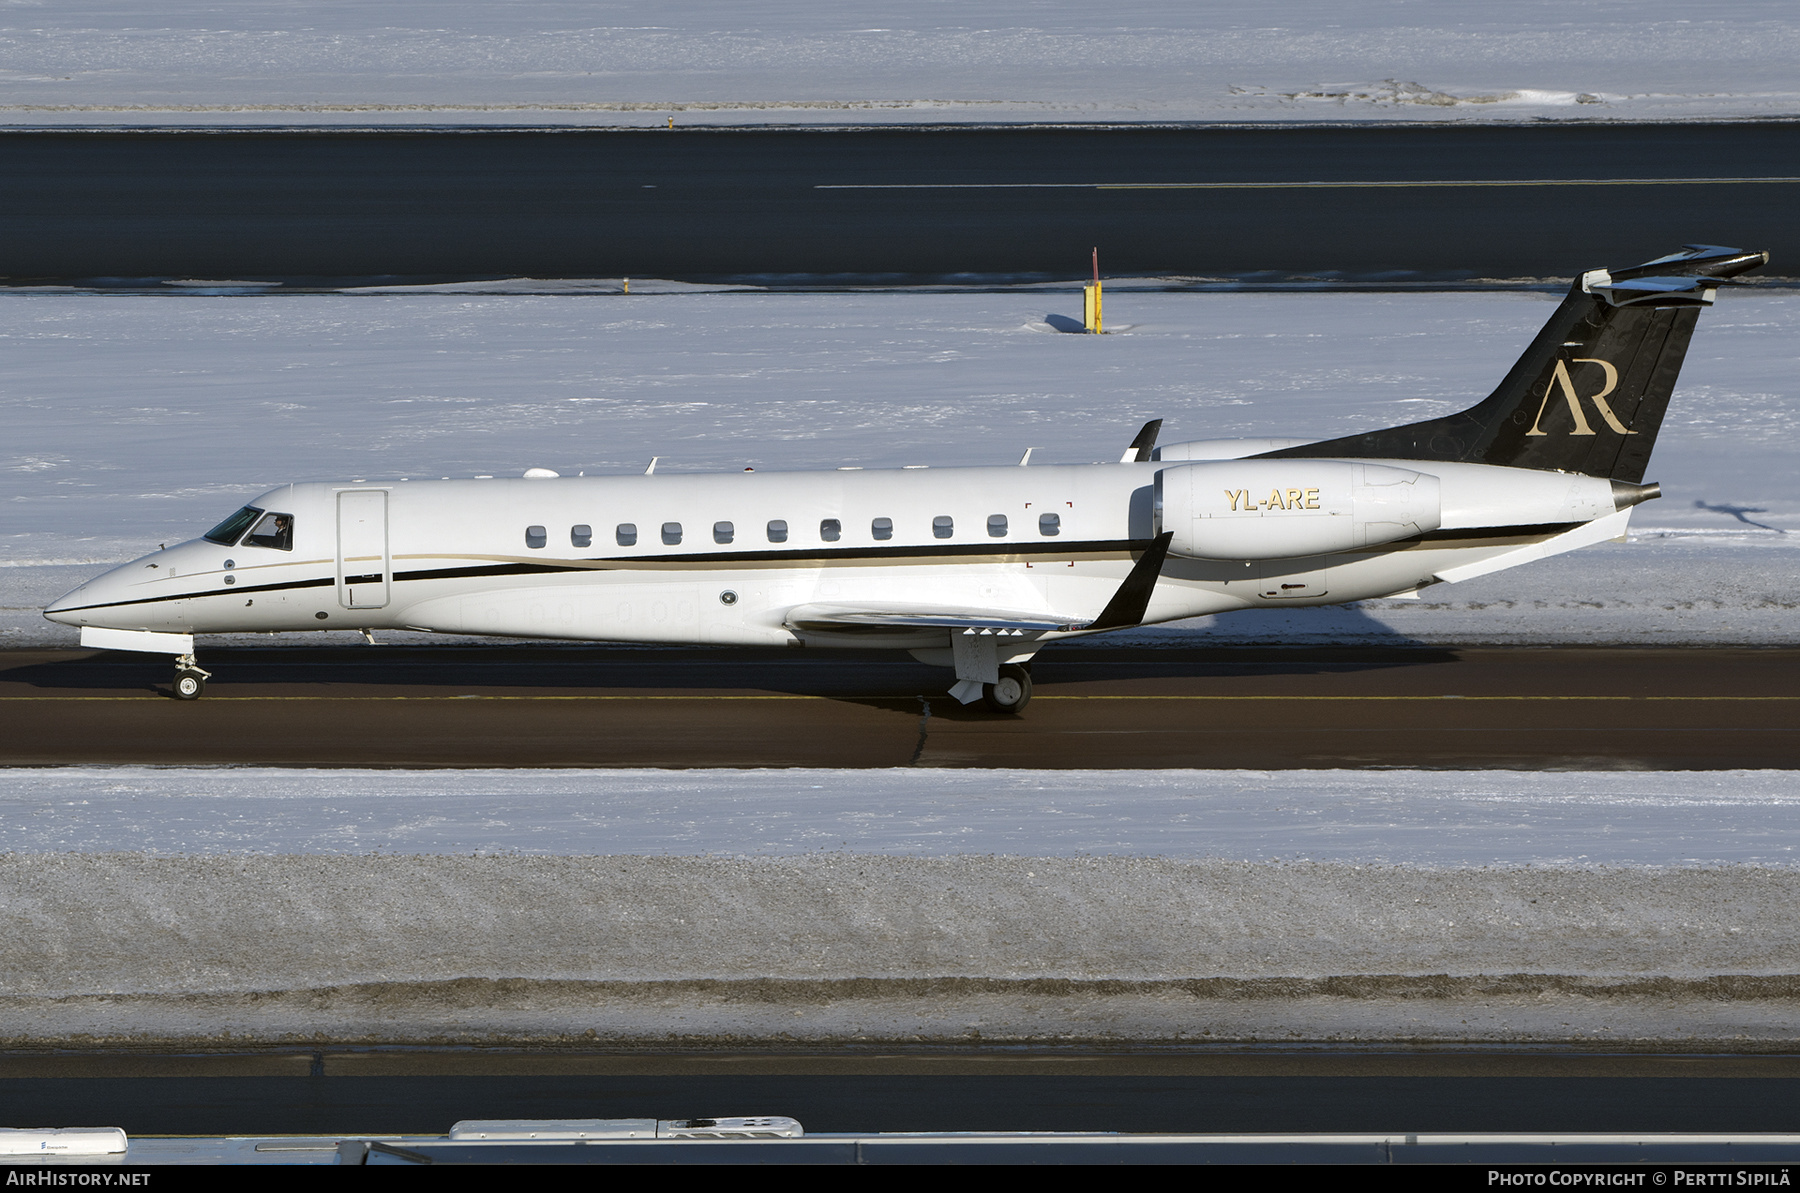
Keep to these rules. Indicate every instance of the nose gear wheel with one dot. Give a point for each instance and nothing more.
(190, 678)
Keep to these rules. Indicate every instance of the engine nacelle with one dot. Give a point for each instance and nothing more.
(1283, 509)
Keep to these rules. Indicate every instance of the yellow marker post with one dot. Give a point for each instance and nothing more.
(1090, 301)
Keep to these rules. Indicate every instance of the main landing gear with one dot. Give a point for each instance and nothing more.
(190, 679)
(1012, 693)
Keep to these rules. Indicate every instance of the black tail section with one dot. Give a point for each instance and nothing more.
(1589, 394)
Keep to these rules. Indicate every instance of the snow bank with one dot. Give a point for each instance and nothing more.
(130, 924)
(802, 61)
(838, 945)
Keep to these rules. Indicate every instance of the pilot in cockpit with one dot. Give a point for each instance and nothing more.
(273, 530)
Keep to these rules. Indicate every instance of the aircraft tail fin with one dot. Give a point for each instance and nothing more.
(1589, 394)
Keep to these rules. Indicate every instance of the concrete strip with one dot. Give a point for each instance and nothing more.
(557, 1015)
(931, 1060)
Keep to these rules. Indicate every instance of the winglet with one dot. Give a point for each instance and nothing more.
(1128, 604)
(1143, 445)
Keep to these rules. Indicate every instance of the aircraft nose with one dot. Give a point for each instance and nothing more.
(59, 609)
(77, 606)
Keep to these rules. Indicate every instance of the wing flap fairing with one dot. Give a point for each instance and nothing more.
(829, 617)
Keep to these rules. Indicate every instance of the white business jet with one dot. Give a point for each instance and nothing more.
(973, 569)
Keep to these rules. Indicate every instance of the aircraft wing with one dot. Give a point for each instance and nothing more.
(1126, 608)
(834, 617)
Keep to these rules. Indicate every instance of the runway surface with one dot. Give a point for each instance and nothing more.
(426, 1092)
(888, 204)
(1095, 707)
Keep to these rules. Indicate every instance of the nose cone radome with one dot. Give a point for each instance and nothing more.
(85, 604)
(59, 609)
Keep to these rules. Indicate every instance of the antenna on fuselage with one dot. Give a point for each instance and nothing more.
(652, 468)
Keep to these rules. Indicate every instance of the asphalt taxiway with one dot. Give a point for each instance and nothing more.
(1441, 200)
(1095, 707)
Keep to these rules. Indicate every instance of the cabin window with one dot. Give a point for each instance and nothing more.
(275, 530)
(996, 526)
(1049, 525)
(626, 534)
(943, 526)
(882, 529)
(581, 536)
(671, 533)
(778, 531)
(536, 537)
(226, 533)
(831, 530)
(723, 532)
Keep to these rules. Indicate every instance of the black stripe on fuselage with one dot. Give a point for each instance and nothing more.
(288, 586)
(1541, 530)
(790, 558)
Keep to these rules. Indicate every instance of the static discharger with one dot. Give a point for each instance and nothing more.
(1090, 301)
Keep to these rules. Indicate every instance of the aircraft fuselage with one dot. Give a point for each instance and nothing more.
(729, 558)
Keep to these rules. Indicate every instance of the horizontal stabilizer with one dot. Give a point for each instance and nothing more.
(1697, 260)
(1661, 292)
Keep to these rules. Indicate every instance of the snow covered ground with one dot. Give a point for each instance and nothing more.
(837, 948)
(134, 420)
(638, 62)
(214, 906)
(1431, 819)
(623, 62)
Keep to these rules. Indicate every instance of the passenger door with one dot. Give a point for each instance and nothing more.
(364, 567)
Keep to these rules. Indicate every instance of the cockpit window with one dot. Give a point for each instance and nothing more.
(275, 530)
(227, 533)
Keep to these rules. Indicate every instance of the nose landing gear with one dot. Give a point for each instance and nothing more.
(190, 678)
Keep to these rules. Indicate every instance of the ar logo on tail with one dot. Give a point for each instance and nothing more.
(1560, 379)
